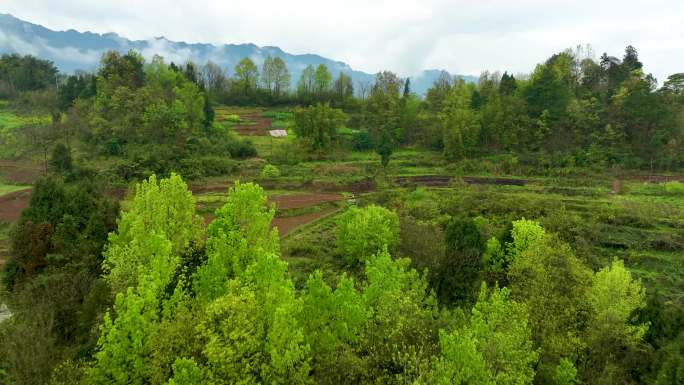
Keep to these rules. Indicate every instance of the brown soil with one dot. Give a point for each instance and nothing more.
(20, 171)
(259, 126)
(288, 224)
(12, 204)
(445, 180)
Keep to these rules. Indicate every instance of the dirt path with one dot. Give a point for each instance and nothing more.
(12, 204)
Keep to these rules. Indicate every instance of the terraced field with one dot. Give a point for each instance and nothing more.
(642, 224)
(294, 209)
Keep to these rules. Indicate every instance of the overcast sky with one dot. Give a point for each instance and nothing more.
(463, 37)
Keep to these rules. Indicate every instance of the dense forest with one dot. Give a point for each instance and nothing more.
(119, 271)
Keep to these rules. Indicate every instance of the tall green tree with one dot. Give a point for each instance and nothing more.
(363, 232)
(323, 81)
(460, 123)
(343, 88)
(306, 85)
(141, 261)
(316, 126)
(246, 75)
(458, 277)
(545, 275)
(495, 347)
(383, 114)
(614, 296)
(241, 226)
(275, 76)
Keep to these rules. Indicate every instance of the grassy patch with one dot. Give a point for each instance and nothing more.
(312, 248)
(13, 144)
(8, 188)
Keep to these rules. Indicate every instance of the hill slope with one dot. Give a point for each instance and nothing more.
(73, 50)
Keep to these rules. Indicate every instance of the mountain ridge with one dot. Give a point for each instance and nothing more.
(73, 50)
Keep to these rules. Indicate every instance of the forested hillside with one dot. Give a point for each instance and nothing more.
(168, 223)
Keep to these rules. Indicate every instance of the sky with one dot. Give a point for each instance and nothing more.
(463, 37)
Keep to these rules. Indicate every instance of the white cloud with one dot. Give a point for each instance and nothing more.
(167, 51)
(38, 47)
(405, 36)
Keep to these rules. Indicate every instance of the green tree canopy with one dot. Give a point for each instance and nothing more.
(363, 232)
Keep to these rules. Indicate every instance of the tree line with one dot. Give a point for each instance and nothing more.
(572, 111)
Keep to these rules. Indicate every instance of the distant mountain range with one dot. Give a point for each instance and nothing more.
(72, 50)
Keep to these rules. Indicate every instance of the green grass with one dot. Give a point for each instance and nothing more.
(312, 248)
(10, 120)
(12, 144)
(8, 188)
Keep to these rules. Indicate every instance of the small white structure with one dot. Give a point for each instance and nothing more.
(278, 133)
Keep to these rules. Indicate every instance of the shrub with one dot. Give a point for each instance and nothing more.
(457, 278)
(243, 148)
(270, 171)
(361, 141)
(199, 167)
(363, 232)
(422, 242)
(317, 126)
(61, 159)
(422, 204)
(233, 118)
(288, 153)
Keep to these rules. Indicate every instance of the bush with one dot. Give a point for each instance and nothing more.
(242, 148)
(199, 167)
(423, 243)
(233, 118)
(458, 277)
(363, 232)
(317, 126)
(288, 153)
(270, 171)
(422, 204)
(361, 141)
(60, 161)
(113, 147)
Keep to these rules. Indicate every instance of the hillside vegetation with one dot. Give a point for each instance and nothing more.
(518, 230)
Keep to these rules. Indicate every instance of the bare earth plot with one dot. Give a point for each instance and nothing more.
(259, 125)
(12, 204)
(20, 171)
